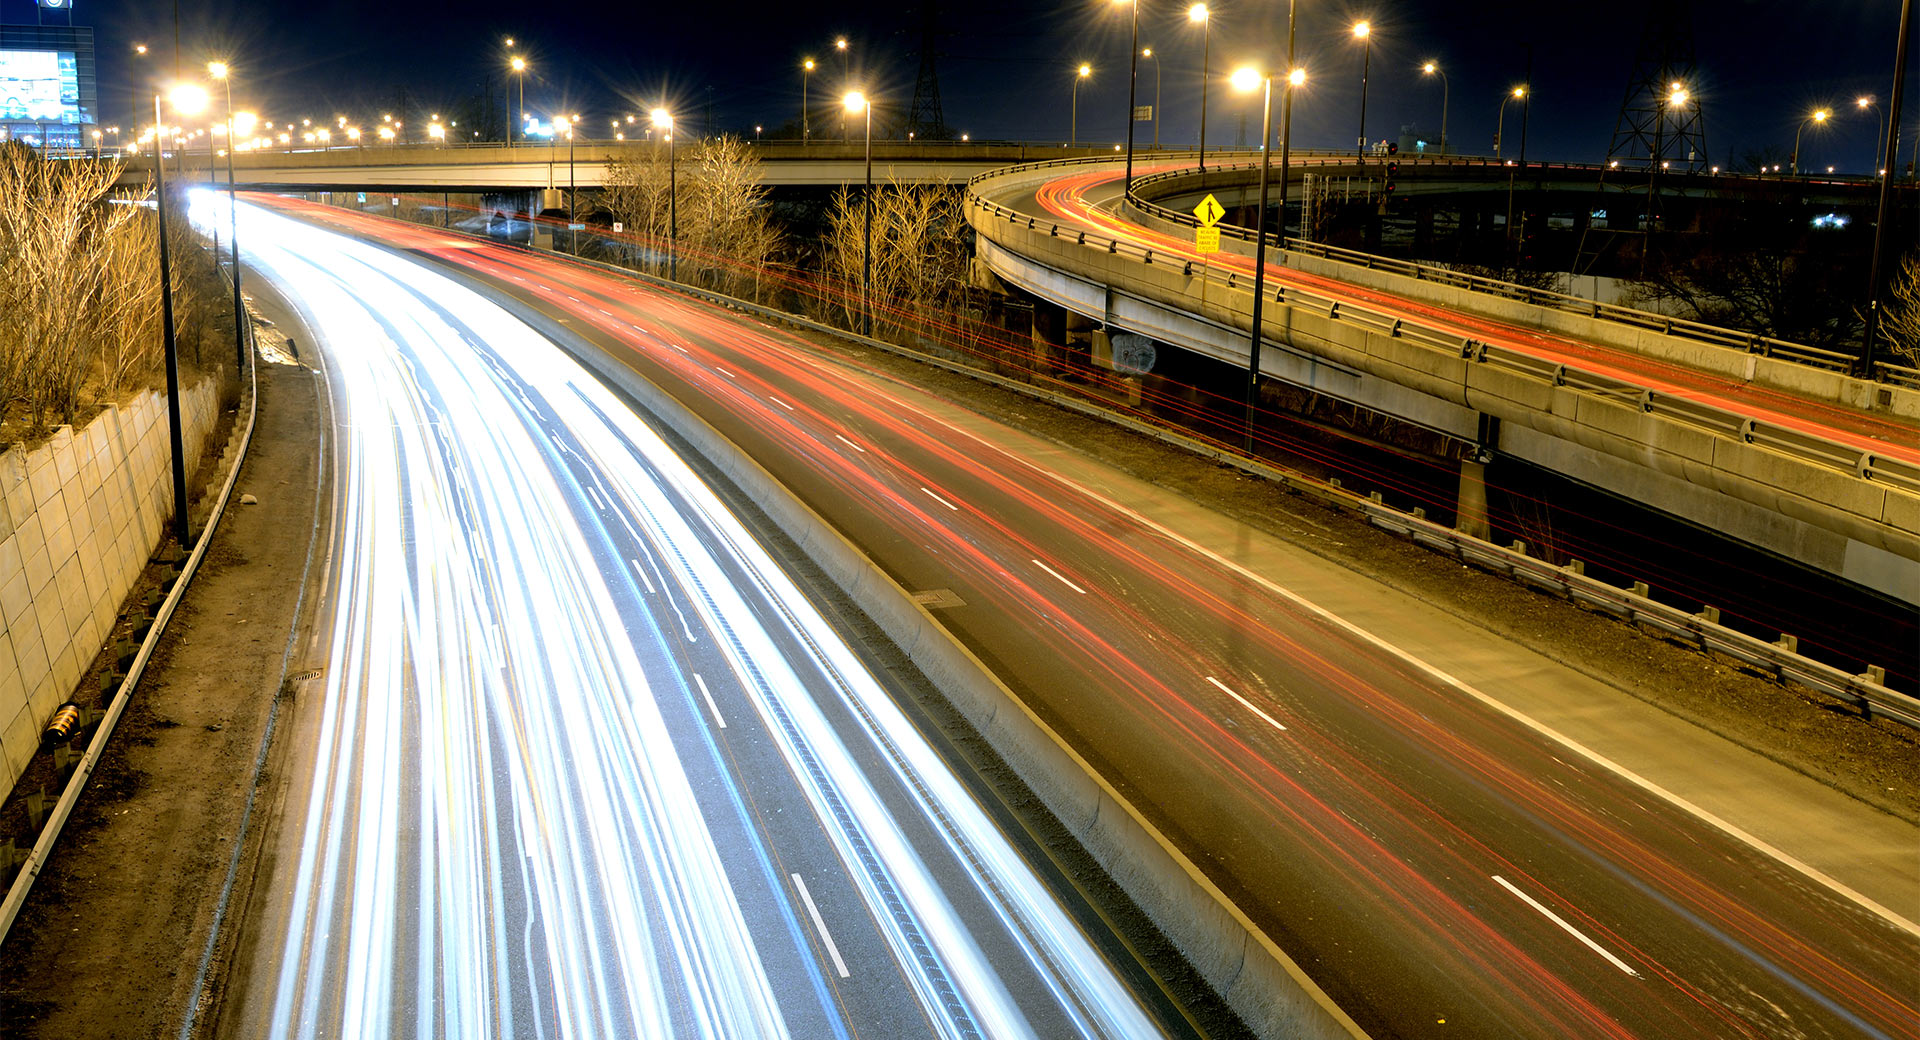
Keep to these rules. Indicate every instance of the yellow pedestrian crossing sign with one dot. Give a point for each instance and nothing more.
(1209, 211)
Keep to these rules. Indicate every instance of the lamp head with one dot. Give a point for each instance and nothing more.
(187, 98)
(808, 64)
(1246, 78)
(519, 64)
(1430, 68)
(1361, 30)
(1197, 13)
(217, 69)
(855, 101)
(1085, 70)
(662, 119)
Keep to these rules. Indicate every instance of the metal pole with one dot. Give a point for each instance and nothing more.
(1366, 69)
(1259, 261)
(1073, 132)
(573, 192)
(172, 348)
(866, 246)
(1445, 95)
(1156, 104)
(233, 221)
(1133, 78)
(1206, 73)
(673, 208)
(1286, 131)
(806, 128)
(1884, 216)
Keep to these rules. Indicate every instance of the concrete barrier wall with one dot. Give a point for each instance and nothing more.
(79, 517)
(1256, 978)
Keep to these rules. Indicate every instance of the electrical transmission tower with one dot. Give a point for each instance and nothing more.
(925, 121)
(1661, 114)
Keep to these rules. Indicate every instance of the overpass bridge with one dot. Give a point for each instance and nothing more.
(547, 165)
(1769, 442)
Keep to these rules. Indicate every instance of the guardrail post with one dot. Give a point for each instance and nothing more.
(1638, 588)
(1791, 644)
(1711, 615)
(1874, 674)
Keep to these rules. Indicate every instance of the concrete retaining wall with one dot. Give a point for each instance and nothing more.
(79, 516)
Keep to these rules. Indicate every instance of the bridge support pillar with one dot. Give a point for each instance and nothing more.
(1470, 508)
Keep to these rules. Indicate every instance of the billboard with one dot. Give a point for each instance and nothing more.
(40, 86)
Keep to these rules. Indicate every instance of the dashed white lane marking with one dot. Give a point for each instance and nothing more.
(1247, 704)
(863, 451)
(820, 926)
(1570, 930)
(711, 706)
(598, 502)
(643, 576)
(723, 371)
(779, 402)
(940, 500)
(1063, 578)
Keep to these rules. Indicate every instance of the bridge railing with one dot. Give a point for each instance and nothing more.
(1753, 343)
(1807, 448)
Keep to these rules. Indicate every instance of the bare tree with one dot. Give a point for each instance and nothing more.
(920, 255)
(726, 232)
(1900, 318)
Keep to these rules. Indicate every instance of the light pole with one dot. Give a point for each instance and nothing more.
(1500, 125)
(1864, 103)
(1148, 53)
(1819, 116)
(846, 75)
(1073, 136)
(1432, 68)
(858, 104)
(663, 121)
(1363, 31)
(133, 92)
(187, 99)
(1133, 81)
(1198, 13)
(1245, 80)
(566, 125)
(1875, 268)
(806, 128)
(221, 72)
(519, 66)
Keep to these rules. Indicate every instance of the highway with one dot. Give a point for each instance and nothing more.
(1090, 199)
(1435, 862)
(585, 762)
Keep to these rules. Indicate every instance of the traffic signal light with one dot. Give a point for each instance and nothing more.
(1393, 170)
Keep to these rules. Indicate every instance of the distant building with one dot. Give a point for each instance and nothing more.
(48, 96)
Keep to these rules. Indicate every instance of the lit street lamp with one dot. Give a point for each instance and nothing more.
(1499, 126)
(1363, 31)
(519, 66)
(1198, 13)
(221, 72)
(846, 75)
(663, 121)
(1245, 80)
(806, 127)
(857, 104)
(1819, 116)
(188, 100)
(1073, 136)
(565, 125)
(1432, 68)
(1865, 103)
(1148, 53)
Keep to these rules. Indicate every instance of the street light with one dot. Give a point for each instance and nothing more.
(1148, 53)
(187, 99)
(1819, 116)
(1133, 80)
(1864, 103)
(1073, 136)
(1198, 13)
(1363, 31)
(663, 120)
(1245, 79)
(856, 103)
(1500, 125)
(519, 66)
(235, 128)
(846, 75)
(1432, 68)
(806, 127)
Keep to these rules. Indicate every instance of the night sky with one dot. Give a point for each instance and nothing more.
(1005, 69)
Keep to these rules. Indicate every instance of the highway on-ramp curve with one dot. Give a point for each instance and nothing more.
(1438, 864)
(584, 762)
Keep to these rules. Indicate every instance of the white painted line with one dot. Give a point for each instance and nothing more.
(1049, 570)
(814, 912)
(943, 501)
(715, 708)
(1247, 704)
(859, 449)
(598, 502)
(1570, 930)
(678, 347)
(779, 402)
(643, 576)
(723, 372)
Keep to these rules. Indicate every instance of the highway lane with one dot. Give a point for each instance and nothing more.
(586, 762)
(1427, 857)
(1089, 199)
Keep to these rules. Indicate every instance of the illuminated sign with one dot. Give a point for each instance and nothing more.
(57, 5)
(42, 86)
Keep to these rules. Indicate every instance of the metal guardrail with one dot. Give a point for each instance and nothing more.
(1752, 343)
(1808, 448)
